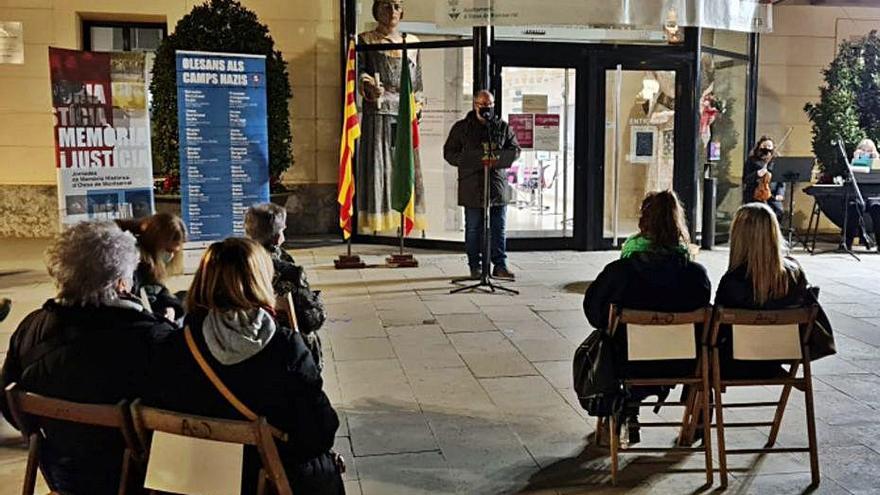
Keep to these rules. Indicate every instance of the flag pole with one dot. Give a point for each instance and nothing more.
(350, 134)
(402, 232)
(403, 60)
(401, 260)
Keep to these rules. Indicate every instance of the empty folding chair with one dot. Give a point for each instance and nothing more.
(654, 337)
(32, 411)
(769, 336)
(190, 454)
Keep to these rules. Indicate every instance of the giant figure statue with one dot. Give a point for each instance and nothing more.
(379, 77)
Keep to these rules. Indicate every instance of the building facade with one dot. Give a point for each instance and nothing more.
(593, 154)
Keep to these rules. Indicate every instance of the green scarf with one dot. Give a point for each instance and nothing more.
(639, 244)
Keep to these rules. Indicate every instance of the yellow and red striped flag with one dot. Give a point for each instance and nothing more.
(403, 197)
(351, 131)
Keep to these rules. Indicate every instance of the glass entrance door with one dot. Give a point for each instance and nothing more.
(639, 144)
(539, 104)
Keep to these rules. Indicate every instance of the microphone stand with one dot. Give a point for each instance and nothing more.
(848, 181)
(486, 283)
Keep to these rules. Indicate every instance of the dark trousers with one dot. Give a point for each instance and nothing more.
(853, 228)
(473, 236)
(779, 210)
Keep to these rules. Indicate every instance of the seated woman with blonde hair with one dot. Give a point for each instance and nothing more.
(267, 367)
(759, 276)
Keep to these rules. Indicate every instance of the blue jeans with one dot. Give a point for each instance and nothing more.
(473, 236)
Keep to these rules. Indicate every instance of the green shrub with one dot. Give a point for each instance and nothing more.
(219, 26)
(849, 103)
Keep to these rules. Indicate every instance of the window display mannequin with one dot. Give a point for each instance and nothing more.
(654, 107)
(379, 81)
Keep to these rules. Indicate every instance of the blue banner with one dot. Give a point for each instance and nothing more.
(224, 141)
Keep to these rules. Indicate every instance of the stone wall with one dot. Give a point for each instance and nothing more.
(305, 31)
(28, 211)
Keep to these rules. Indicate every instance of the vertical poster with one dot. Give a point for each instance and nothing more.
(547, 132)
(224, 141)
(102, 135)
(523, 126)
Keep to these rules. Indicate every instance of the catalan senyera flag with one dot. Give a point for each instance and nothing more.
(403, 197)
(351, 131)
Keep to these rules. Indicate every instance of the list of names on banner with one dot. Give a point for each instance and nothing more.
(224, 154)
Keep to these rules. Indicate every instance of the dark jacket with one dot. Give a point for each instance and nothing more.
(159, 297)
(290, 277)
(84, 354)
(654, 281)
(750, 183)
(466, 147)
(735, 291)
(280, 382)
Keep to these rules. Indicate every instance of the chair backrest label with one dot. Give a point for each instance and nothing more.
(181, 464)
(660, 342)
(766, 342)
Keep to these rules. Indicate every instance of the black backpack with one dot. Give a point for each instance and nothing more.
(595, 377)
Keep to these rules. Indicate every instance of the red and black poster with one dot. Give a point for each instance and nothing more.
(102, 134)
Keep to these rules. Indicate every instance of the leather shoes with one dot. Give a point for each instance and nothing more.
(502, 272)
(476, 273)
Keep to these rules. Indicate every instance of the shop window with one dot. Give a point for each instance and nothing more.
(722, 141)
(729, 41)
(443, 84)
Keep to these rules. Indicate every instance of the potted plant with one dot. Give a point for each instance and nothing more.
(218, 26)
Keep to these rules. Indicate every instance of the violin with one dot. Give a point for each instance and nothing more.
(762, 192)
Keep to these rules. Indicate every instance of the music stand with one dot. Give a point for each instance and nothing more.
(793, 170)
(504, 159)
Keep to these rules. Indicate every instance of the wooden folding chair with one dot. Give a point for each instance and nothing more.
(765, 336)
(257, 433)
(31, 411)
(656, 337)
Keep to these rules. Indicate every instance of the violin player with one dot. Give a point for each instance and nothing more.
(758, 184)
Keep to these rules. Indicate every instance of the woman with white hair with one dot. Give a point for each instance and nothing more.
(91, 343)
(867, 152)
(265, 223)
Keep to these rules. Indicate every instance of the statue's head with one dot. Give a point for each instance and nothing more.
(388, 13)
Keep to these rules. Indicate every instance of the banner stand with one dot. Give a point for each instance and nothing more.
(401, 259)
(348, 261)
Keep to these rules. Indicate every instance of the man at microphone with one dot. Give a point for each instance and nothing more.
(480, 140)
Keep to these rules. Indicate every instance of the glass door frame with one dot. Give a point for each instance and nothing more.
(538, 56)
(685, 159)
(591, 61)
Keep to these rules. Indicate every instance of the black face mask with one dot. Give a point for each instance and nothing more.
(764, 152)
(486, 113)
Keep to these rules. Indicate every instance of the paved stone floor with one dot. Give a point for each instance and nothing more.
(472, 393)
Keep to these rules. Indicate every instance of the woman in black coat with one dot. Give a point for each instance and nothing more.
(265, 365)
(758, 164)
(655, 273)
(759, 276)
(90, 344)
